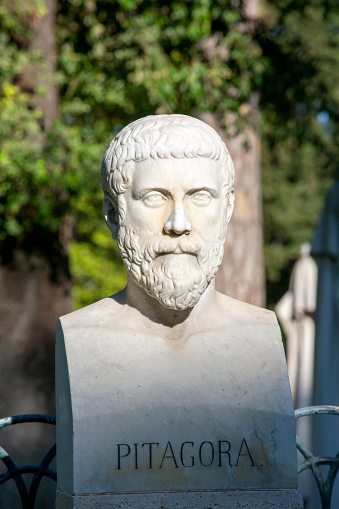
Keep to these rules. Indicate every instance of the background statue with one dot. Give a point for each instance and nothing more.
(295, 311)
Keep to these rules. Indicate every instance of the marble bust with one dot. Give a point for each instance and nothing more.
(168, 197)
(169, 388)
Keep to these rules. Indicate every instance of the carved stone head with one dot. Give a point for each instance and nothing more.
(168, 197)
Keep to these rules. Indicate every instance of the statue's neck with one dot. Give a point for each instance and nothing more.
(135, 296)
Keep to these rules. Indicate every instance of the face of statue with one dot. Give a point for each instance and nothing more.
(175, 219)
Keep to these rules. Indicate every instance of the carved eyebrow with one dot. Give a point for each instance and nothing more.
(212, 190)
(142, 192)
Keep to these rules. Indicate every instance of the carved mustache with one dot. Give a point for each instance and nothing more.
(158, 246)
(177, 246)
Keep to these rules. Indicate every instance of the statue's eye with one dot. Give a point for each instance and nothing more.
(202, 197)
(154, 199)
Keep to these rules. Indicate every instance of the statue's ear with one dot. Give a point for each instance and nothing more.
(230, 205)
(111, 216)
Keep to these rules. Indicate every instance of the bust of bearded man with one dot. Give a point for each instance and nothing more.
(169, 386)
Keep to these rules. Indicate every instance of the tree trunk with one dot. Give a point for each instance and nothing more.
(44, 42)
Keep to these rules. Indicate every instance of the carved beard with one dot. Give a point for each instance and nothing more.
(177, 280)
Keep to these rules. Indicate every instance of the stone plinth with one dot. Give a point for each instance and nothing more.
(233, 499)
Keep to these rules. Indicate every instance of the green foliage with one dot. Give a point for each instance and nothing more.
(97, 269)
(43, 175)
(127, 59)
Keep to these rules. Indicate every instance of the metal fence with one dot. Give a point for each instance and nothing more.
(313, 462)
(28, 491)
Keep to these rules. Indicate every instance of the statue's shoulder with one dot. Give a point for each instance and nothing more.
(105, 311)
(247, 313)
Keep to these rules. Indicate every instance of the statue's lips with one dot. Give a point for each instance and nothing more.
(177, 251)
(177, 258)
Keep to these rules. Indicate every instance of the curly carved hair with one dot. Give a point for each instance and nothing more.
(161, 137)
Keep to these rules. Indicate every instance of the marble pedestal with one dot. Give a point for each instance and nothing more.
(157, 422)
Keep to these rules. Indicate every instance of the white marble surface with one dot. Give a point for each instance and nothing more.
(225, 385)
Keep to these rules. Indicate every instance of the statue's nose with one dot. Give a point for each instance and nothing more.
(178, 223)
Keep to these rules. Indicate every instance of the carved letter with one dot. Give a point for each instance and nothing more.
(224, 452)
(169, 457)
(212, 454)
(136, 456)
(124, 455)
(150, 451)
(181, 455)
(244, 443)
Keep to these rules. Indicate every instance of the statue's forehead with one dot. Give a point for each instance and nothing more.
(194, 172)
